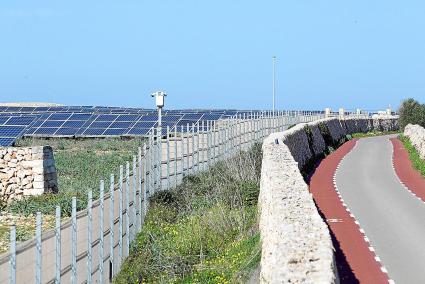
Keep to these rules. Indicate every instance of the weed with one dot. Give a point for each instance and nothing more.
(201, 231)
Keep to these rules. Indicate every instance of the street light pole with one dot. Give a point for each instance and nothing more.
(274, 84)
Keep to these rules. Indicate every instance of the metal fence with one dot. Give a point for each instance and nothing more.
(91, 245)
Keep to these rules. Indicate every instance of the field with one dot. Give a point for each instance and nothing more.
(80, 164)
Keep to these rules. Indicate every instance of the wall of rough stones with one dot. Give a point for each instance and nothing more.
(26, 171)
(296, 244)
(416, 135)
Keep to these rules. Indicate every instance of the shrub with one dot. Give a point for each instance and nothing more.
(411, 111)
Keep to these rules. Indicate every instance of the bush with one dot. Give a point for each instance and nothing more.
(411, 111)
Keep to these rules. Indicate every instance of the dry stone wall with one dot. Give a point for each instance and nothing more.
(296, 243)
(416, 135)
(26, 171)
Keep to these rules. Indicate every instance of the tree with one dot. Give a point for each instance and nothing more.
(411, 111)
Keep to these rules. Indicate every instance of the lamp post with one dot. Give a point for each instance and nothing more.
(274, 83)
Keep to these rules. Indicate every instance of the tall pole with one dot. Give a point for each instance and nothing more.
(160, 120)
(274, 83)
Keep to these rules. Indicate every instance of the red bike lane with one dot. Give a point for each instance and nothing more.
(355, 258)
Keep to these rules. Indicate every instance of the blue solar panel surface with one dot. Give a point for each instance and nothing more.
(13, 127)
(98, 121)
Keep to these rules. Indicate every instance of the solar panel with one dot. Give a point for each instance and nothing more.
(12, 127)
(121, 124)
(138, 131)
(49, 131)
(106, 117)
(74, 123)
(59, 116)
(114, 131)
(65, 131)
(93, 132)
(128, 117)
(192, 116)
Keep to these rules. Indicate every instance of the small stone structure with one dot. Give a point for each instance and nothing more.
(416, 135)
(296, 243)
(26, 171)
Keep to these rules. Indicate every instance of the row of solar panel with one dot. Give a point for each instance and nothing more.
(97, 109)
(13, 127)
(56, 121)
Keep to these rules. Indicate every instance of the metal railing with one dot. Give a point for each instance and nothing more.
(93, 243)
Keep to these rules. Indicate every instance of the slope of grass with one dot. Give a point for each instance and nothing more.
(414, 157)
(203, 231)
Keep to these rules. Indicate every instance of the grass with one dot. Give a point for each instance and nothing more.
(203, 231)
(414, 157)
(80, 164)
(374, 134)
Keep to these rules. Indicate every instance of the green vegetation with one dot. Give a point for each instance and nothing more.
(373, 134)
(80, 165)
(416, 160)
(203, 231)
(411, 111)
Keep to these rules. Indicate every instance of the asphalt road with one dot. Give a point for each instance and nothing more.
(393, 219)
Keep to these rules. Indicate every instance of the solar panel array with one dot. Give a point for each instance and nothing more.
(97, 121)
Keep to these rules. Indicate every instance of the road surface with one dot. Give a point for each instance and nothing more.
(392, 218)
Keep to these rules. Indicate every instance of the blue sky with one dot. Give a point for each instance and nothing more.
(213, 54)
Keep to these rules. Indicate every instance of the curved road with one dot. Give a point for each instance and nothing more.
(392, 218)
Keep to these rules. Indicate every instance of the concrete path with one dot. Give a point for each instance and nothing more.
(393, 219)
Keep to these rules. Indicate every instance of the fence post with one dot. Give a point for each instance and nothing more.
(208, 144)
(192, 170)
(134, 179)
(38, 223)
(158, 160)
(152, 164)
(12, 260)
(127, 208)
(74, 242)
(111, 225)
(240, 132)
(182, 150)
(168, 157)
(101, 230)
(214, 138)
(58, 245)
(139, 173)
(175, 156)
(89, 236)
(198, 148)
(120, 201)
(145, 184)
(187, 146)
(204, 145)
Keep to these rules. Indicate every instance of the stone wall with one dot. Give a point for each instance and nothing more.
(416, 135)
(26, 171)
(296, 244)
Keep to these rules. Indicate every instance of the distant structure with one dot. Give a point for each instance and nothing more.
(29, 104)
